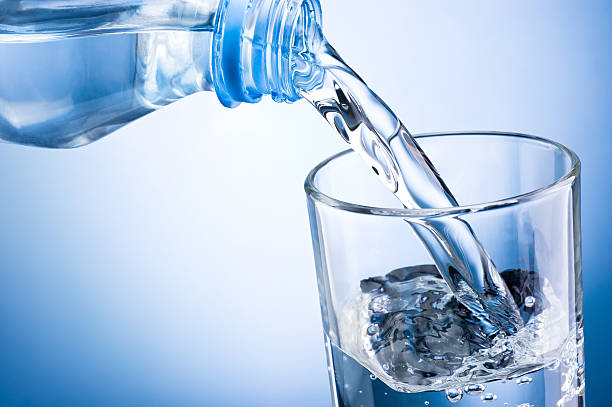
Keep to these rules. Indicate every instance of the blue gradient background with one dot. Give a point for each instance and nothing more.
(166, 266)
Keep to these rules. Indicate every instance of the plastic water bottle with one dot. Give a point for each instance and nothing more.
(63, 83)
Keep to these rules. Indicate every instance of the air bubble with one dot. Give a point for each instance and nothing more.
(473, 389)
(379, 304)
(530, 301)
(373, 330)
(427, 403)
(360, 392)
(373, 376)
(454, 395)
(523, 380)
(525, 405)
(385, 366)
(488, 397)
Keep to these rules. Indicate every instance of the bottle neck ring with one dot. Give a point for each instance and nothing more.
(253, 48)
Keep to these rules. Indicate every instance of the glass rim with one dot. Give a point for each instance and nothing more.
(316, 194)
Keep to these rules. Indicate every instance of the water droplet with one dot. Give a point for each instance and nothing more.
(488, 397)
(454, 395)
(373, 376)
(529, 301)
(473, 389)
(523, 380)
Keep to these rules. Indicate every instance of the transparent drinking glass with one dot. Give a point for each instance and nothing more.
(394, 333)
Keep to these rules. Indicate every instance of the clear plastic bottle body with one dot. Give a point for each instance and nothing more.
(30, 20)
(67, 82)
(66, 93)
(58, 91)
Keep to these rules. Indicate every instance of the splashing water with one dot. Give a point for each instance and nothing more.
(409, 330)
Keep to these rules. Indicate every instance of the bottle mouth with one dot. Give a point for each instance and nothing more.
(252, 47)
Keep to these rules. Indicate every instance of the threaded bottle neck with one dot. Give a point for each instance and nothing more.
(255, 47)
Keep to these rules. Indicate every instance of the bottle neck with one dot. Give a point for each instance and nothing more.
(257, 45)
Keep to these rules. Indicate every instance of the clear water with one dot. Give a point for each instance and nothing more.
(369, 127)
(406, 341)
(356, 386)
(60, 91)
(69, 92)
